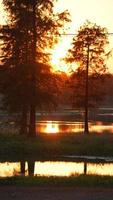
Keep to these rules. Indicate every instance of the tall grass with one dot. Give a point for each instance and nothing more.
(82, 180)
(22, 147)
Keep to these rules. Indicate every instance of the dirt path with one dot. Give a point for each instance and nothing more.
(54, 193)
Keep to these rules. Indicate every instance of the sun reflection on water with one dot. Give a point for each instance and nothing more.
(51, 128)
(55, 127)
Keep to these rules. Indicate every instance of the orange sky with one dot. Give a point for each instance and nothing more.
(2, 16)
(99, 11)
(96, 11)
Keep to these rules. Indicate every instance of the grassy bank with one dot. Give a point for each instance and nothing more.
(82, 180)
(21, 147)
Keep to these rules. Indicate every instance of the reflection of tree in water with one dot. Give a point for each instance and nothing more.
(85, 168)
(31, 168)
(31, 165)
(22, 168)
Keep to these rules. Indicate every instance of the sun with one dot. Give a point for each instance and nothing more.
(57, 61)
(59, 64)
(59, 54)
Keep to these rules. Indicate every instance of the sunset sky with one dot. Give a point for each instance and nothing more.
(99, 11)
(96, 11)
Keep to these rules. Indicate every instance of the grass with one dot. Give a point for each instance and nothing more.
(48, 146)
(82, 180)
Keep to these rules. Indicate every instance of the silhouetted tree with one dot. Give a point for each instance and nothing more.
(29, 35)
(96, 87)
(88, 51)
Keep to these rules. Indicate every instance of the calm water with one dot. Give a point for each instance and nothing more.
(54, 168)
(56, 127)
(101, 120)
(72, 127)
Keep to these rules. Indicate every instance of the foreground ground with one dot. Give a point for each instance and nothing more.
(55, 193)
(15, 147)
(22, 148)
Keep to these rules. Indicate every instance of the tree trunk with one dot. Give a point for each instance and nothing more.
(32, 125)
(32, 120)
(24, 129)
(86, 127)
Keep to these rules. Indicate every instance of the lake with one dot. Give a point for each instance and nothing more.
(67, 121)
(72, 121)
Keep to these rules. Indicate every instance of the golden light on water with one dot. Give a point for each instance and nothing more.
(51, 128)
(55, 127)
(60, 168)
(56, 168)
(9, 169)
(102, 169)
(100, 128)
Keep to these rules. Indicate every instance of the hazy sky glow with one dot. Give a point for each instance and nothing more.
(96, 11)
(2, 16)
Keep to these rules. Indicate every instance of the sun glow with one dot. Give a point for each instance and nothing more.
(58, 61)
(59, 54)
(3, 15)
